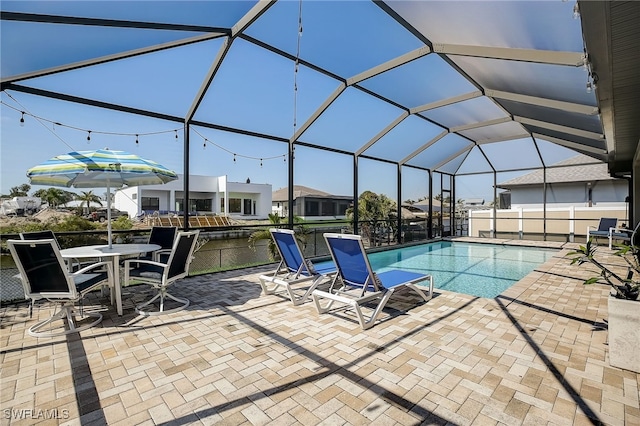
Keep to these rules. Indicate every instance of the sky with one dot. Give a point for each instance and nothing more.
(253, 90)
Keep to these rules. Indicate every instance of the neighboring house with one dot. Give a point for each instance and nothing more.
(581, 181)
(310, 204)
(207, 195)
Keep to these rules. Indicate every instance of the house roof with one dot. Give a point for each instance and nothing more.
(580, 168)
(282, 194)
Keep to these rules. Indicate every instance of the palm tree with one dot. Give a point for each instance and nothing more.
(373, 208)
(88, 197)
(264, 234)
(54, 196)
(20, 191)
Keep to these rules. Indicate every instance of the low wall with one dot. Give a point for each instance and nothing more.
(569, 221)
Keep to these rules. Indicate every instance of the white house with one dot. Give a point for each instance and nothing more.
(576, 182)
(207, 195)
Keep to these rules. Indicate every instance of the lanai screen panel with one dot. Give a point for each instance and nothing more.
(404, 139)
(422, 81)
(55, 44)
(140, 81)
(512, 155)
(469, 112)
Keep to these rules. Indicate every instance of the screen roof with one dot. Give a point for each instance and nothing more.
(429, 84)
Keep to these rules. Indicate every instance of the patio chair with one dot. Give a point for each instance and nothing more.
(45, 275)
(164, 236)
(603, 230)
(162, 275)
(294, 269)
(48, 234)
(360, 285)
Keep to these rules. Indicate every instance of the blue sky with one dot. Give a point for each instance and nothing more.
(253, 90)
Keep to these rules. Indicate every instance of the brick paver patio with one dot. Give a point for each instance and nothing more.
(537, 354)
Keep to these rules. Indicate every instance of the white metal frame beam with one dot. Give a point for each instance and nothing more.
(553, 57)
(423, 147)
(559, 128)
(445, 102)
(393, 63)
(480, 124)
(548, 103)
(570, 144)
(383, 132)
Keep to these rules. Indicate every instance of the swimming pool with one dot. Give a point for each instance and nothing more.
(483, 270)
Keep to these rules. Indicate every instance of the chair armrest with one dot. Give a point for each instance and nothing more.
(127, 263)
(620, 231)
(93, 266)
(158, 253)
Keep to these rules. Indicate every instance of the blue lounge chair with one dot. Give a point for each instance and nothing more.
(294, 269)
(360, 285)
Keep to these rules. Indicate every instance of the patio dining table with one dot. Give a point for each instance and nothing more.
(113, 253)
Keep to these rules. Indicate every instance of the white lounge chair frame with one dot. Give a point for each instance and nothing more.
(355, 295)
(294, 269)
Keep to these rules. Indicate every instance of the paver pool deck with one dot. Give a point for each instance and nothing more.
(537, 354)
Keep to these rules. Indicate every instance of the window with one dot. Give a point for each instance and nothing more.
(328, 208)
(202, 205)
(312, 208)
(150, 203)
(342, 208)
(235, 205)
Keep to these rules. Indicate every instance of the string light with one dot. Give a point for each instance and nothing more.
(136, 135)
(204, 144)
(80, 129)
(235, 154)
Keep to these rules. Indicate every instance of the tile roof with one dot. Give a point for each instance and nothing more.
(580, 168)
(282, 194)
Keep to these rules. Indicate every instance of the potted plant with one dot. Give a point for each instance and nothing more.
(624, 303)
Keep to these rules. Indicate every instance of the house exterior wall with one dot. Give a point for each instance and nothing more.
(204, 190)
(609, 193)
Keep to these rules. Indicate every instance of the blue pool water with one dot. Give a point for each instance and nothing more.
(483, 270)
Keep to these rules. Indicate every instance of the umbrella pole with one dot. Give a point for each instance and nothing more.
(109, 214)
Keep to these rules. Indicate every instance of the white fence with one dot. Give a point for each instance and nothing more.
(571, 222)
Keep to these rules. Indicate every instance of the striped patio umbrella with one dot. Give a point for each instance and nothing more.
(99, 168)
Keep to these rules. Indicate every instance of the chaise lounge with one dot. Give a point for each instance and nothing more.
(356, 284)
(294, 269)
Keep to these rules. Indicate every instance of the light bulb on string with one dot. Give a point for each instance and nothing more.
(261, 162)
(176, 130)
(234, 158)
(22, 119)
(137, 142)
(88, 136)
(204, 144)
